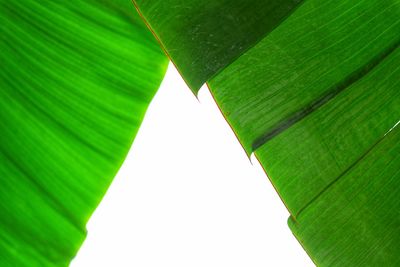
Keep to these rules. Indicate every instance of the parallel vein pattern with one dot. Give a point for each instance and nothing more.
(76, 78)
(202, 37)
(330, 94)
(315, 100)
(362, 206)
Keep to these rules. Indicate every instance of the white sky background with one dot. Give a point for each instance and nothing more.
(187, 196)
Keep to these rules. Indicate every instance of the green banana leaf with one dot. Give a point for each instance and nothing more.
(76, 78)
(202, 37)
(312, 88)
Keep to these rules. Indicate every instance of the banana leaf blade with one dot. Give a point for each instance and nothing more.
(76, 79)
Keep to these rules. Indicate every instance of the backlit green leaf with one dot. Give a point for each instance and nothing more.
(202, 36)
(317, 100)
(76, 78)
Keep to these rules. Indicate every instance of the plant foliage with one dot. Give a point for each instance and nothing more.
(317, 99)
(76, 78)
